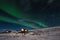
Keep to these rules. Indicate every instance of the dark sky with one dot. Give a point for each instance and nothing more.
(45, 11)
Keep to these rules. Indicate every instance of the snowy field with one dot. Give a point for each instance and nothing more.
(38, 34)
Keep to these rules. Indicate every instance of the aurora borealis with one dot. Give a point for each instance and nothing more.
(29, 14)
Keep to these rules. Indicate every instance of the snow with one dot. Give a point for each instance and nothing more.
(34, 35)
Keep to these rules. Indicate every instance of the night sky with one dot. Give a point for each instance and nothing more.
(29, 14)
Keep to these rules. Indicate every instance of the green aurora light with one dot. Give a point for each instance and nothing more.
(14, 12)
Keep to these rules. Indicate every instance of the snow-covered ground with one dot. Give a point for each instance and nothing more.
(39, 34)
